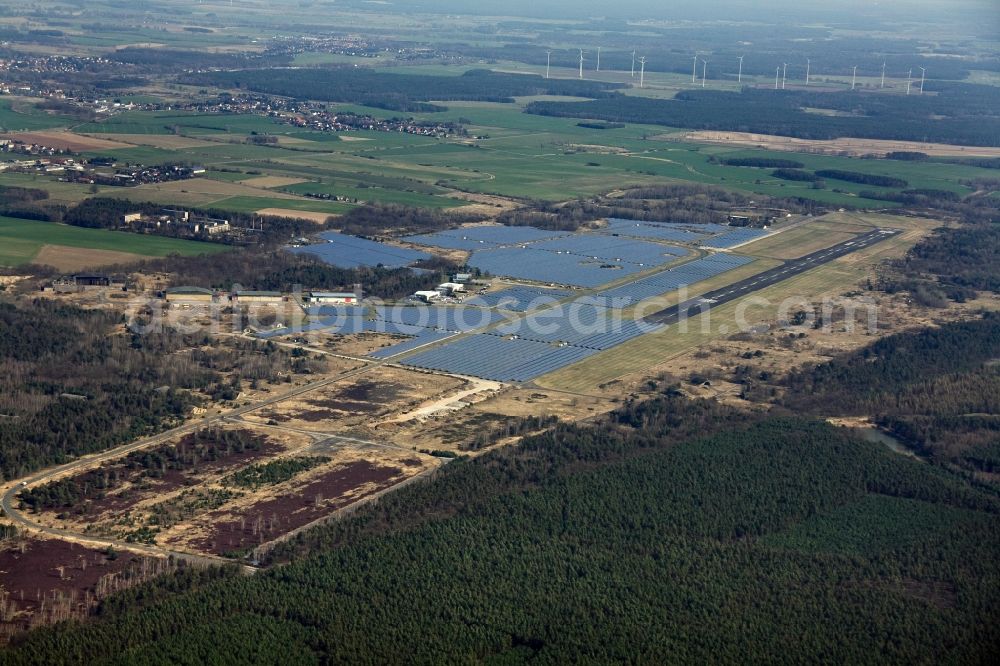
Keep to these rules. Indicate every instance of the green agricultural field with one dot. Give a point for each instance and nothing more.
(517, 155)
(247, 204)
(375, 193)
(59, 192)
(20, 114)
(21, 240)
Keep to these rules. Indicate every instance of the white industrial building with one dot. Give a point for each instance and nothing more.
(427, 296)
(332, 297)
(450, 288)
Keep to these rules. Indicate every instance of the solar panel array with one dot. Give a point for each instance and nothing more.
(674, 278)
(449, 242)
(518, 299)
(461, 318)
(474, 238)
(351, 252)
(336, 310)
(578, 324)
(497, 358)
(550, 267)
(735, 237)
(345, 325)
(669, 231)
(425, 337)
(612, 249)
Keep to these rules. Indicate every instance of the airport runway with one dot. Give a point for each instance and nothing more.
(701, 304)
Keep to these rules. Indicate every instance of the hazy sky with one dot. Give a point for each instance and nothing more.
(973, 11)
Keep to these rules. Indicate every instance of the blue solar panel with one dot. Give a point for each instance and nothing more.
(613, 249)
(449, 242)
(518, 299)
(335, 310)
(735, 237)
(578, 323)
(473, 238)
(351, 252)
(425, 337)
(674, 278)
(660, 230)
(497, 358)
(551, 267)
(346, 325)
(459, 318)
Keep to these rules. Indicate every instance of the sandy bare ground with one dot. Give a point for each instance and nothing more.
(271, 181)
(840, 146)
(348, 137)
(140, 45)
(65, 140)
(318, 218)
(166, 141)
(284, 140)
(447, 402)
(482, 204)
(213, 187)
(70, 259)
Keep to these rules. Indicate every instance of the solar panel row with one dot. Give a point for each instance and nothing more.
(612, 248)
(674, 278)
(497, 358)
(472, 238)
(603, 333)
(448, 242)
(351, 252)
(345, 325)
(663, 231)
(425, 337)
(460, 318)
(518, 299)
(734, 237)
(336, 310)
(550, 267)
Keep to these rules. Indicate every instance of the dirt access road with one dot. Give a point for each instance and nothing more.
(9, 503)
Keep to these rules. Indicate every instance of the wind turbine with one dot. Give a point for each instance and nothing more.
(777, 73)
(808, 66)
(923, 74)
(581, 63)
(739, 78)
(883, 75)
(854, 77)
(694, 70)
(784, 74)
(704, 71)
(909, 80)
(598, 58)
(548, 62)
(633, 63)
(642, 71)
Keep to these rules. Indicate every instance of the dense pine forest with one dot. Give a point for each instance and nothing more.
(936, 389)
(397, 92)
(964, 114)
(77, 381)
(677, 530)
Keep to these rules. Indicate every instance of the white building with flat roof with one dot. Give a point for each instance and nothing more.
(335, 297)
(427, 296)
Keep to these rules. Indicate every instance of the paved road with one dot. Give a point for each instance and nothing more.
(701, 304)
